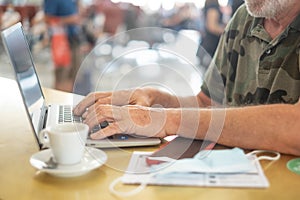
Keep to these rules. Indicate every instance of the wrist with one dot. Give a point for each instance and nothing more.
(173, 121)
(163, 99)
(152, 95)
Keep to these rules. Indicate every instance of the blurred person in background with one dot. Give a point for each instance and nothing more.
(213, 28)
(93, 24)
(39, 29)
(64, 16)
(113, 16)
(181, 17)
(10, 16)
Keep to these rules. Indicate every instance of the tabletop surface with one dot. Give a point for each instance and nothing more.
(19, 180)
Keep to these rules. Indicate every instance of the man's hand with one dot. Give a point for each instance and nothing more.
(145, 121)
(123, 97)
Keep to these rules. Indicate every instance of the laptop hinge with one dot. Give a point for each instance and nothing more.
(43, 119)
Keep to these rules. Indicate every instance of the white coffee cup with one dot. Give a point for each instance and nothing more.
(67, 141)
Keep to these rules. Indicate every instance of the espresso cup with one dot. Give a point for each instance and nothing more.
(67, 141)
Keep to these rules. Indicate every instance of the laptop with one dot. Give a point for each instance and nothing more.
(41, 115)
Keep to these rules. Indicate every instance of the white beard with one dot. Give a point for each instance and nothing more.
(268, 8)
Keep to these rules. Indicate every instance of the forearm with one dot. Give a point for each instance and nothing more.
(217, 29)
(272, 127)
(212, 23)
(72, 19)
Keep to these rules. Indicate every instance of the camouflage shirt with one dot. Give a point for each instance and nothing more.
(251, 67)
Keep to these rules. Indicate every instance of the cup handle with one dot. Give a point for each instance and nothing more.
(44, 138)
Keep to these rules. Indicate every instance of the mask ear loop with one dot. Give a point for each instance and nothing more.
(272, 158)
(129, 193)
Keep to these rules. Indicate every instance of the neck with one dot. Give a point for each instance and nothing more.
(275, 26)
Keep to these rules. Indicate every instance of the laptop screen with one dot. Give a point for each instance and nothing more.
(17, 49)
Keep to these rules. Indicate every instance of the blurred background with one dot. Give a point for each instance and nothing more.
(121, 43)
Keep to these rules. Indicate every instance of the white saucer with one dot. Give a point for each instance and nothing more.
(92, 159)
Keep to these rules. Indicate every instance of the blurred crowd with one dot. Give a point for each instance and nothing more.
(100, 19)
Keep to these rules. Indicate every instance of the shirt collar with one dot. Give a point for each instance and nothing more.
(296, 23)
(257, 29)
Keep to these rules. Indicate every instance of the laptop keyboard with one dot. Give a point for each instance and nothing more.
(66, 115)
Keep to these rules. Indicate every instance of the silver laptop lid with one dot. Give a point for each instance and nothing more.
(17, 49)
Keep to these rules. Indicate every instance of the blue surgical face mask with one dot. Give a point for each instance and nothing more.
(212, 161)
